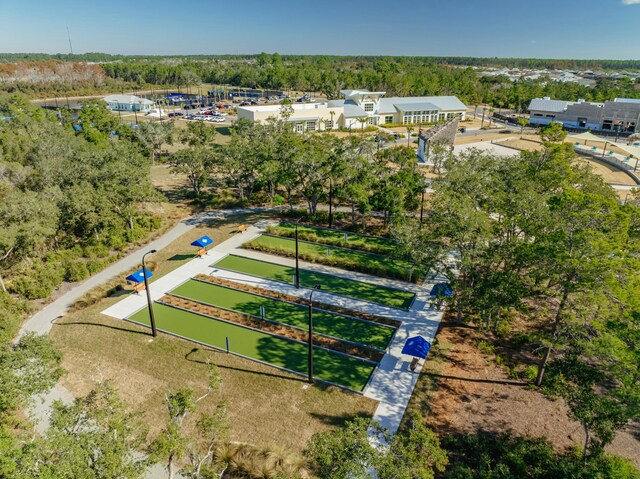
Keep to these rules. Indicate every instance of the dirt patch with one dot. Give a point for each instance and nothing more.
(524, 143)
(609, 173)
(473, 394)
(478, 137)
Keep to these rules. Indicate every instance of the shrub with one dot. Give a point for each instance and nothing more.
(96, 251)
(77, 271)
(486, 347)
(96, 265)
(37, 280)
(391, 271)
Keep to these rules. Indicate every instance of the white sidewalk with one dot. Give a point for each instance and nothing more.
(392, 382)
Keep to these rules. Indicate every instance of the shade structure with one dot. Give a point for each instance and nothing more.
(417, 347)
(587, 136)
(138, 276)
(632, 150)
(202, 242)
(441, 289)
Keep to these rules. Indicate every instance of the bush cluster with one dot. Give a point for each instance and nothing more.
(390, 272)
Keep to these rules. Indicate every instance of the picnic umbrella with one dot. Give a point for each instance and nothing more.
(418, 347)
(440, 289)
(138, 276)
(202, 242)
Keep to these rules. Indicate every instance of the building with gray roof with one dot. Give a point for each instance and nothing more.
(621, 115)
(360, 108)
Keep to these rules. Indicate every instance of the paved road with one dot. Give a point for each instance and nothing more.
(42, 321)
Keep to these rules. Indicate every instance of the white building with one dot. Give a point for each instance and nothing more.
(128, 103)
(360, 108)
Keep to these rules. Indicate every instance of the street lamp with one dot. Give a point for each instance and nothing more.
(315, 287)
(297, 278)
(154, 333)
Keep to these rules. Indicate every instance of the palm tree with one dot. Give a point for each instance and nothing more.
(409, 131)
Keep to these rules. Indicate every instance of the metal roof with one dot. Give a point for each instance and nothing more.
(544, 104)
(417, 106)
(353, 111)
(627, 100)
(443, 103)
(129, 99)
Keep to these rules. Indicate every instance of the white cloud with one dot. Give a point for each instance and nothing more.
(631, 2)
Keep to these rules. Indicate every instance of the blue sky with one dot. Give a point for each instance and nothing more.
(495, 28)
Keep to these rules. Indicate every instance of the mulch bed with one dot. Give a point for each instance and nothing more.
(295, 299)
(277, 329)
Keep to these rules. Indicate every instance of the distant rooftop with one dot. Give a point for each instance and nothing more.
(127, 99)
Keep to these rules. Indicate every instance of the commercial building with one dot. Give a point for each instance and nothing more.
(358, 109)
(620, 115)
(128, 103)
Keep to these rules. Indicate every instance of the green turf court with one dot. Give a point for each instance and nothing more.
(392, 297)
(380, 264)
(327, 323)
(328, 366)
(336, 237)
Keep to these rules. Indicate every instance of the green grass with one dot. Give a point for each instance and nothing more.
(328, 366)
(375, 264)
(394, 298)
(330, 324)
(335, 237)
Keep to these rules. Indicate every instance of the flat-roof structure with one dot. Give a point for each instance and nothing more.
(621, 115)
(128, 103)
(358, 109)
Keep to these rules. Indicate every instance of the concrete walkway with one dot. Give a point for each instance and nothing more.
(43, 320)
(392, 382)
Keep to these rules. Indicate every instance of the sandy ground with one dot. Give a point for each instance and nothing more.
(476, 395)
(477, 138)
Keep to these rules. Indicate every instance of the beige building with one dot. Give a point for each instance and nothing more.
(302, 116)
(360, 108)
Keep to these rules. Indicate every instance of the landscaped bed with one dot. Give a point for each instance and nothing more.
(272, 327)
(292, 355)
(251, 288)
(296, 315)
(314, 234)
(369, 263)
(391, 297)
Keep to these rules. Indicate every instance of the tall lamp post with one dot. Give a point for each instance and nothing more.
(154, 332)
(297, 278)
(310, 326)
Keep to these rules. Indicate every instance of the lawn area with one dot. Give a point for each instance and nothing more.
(328, 366)
(394, 298)
(265, 404)
(327, 323)
(350, 259)
(314, 234)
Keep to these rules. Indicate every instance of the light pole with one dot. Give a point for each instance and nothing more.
(310, 366)
(154, 333)
(422, 205)
(297, 278)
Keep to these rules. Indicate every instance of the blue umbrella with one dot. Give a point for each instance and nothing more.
(202, 242)
(138, 276)
(417, 347)
(441, 289)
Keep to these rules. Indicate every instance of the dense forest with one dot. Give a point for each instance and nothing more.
(549, 63)
(398, 76)
(68, 200)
